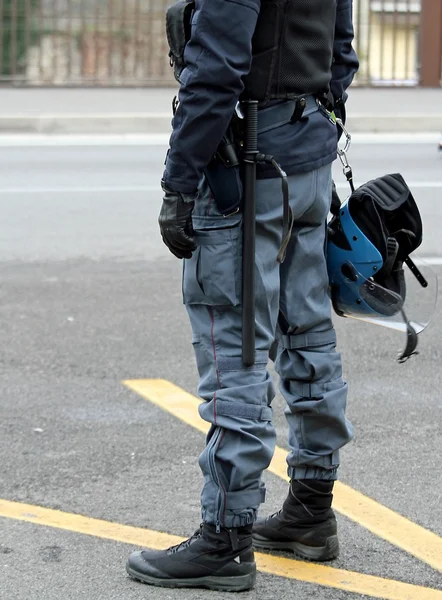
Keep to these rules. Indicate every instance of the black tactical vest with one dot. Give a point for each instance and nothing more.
(292, 49)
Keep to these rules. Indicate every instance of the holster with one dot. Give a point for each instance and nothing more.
(223, 174)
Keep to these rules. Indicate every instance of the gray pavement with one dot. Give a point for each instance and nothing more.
(148, 110)
(89, 297)
(67, 203)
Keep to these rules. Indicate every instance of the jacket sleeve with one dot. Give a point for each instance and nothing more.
(217, 56)
(345, 60)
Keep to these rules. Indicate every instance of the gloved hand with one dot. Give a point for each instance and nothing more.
(176, 222)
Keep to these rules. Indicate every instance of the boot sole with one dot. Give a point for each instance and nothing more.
(313, 553)
(222, 584)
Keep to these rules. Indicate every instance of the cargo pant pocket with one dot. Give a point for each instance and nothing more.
(323, 427)
(213, 275)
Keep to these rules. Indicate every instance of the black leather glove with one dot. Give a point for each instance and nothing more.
(176, 222)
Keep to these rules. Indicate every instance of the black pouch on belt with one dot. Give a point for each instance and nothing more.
(223, 175)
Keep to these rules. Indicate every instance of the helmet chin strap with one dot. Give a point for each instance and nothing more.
(412, 339)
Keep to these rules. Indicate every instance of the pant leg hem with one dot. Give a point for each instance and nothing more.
(234, 521)
(313, 473)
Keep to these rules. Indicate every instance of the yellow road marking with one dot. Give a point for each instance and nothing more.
(349, 581)
(375, 517)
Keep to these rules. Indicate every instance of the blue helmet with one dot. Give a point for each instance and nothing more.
(370, 238)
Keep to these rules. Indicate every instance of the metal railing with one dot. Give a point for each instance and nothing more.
(123, 42)
(84, 42)
(387, 41)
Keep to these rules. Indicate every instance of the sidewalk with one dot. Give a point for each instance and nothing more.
(148, 110)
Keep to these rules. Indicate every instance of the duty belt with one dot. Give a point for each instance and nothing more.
(286, 112)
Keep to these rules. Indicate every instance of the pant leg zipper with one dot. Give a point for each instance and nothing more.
(213, 445)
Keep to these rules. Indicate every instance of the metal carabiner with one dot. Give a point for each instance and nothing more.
(238, 111)
(342, 153)
(347, 135)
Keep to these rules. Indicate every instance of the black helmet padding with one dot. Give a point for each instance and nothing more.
(385, 208)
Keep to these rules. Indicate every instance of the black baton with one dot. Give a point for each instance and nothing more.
(249, 216)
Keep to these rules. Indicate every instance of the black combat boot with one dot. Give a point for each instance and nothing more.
(218, 561)
(306, 525)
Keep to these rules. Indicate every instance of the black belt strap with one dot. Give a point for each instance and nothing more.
(286, 112)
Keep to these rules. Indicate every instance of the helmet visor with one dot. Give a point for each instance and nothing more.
(407, 301)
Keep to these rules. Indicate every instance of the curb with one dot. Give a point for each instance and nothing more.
(161, 123)
(92, 123)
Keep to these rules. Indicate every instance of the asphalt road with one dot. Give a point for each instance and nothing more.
(90, 297)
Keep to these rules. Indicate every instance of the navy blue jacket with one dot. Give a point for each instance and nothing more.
(217, 56)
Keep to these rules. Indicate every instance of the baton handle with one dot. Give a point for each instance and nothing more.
(249, 217)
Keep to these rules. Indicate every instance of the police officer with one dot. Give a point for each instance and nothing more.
(290, 55)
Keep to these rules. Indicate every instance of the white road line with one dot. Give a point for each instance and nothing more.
(90, 116)
(155, 188)
(83, 190)
(412, 184)
(429, 260)
(396, 138)
(33, 140)
(164, 115)
(162, 139)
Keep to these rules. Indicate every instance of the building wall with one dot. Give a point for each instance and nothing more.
(387, 41)
(393, 56)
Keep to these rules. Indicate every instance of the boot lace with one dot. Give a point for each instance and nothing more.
(183, 545)
(276, 514)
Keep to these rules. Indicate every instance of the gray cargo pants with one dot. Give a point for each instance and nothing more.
(292, 302)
